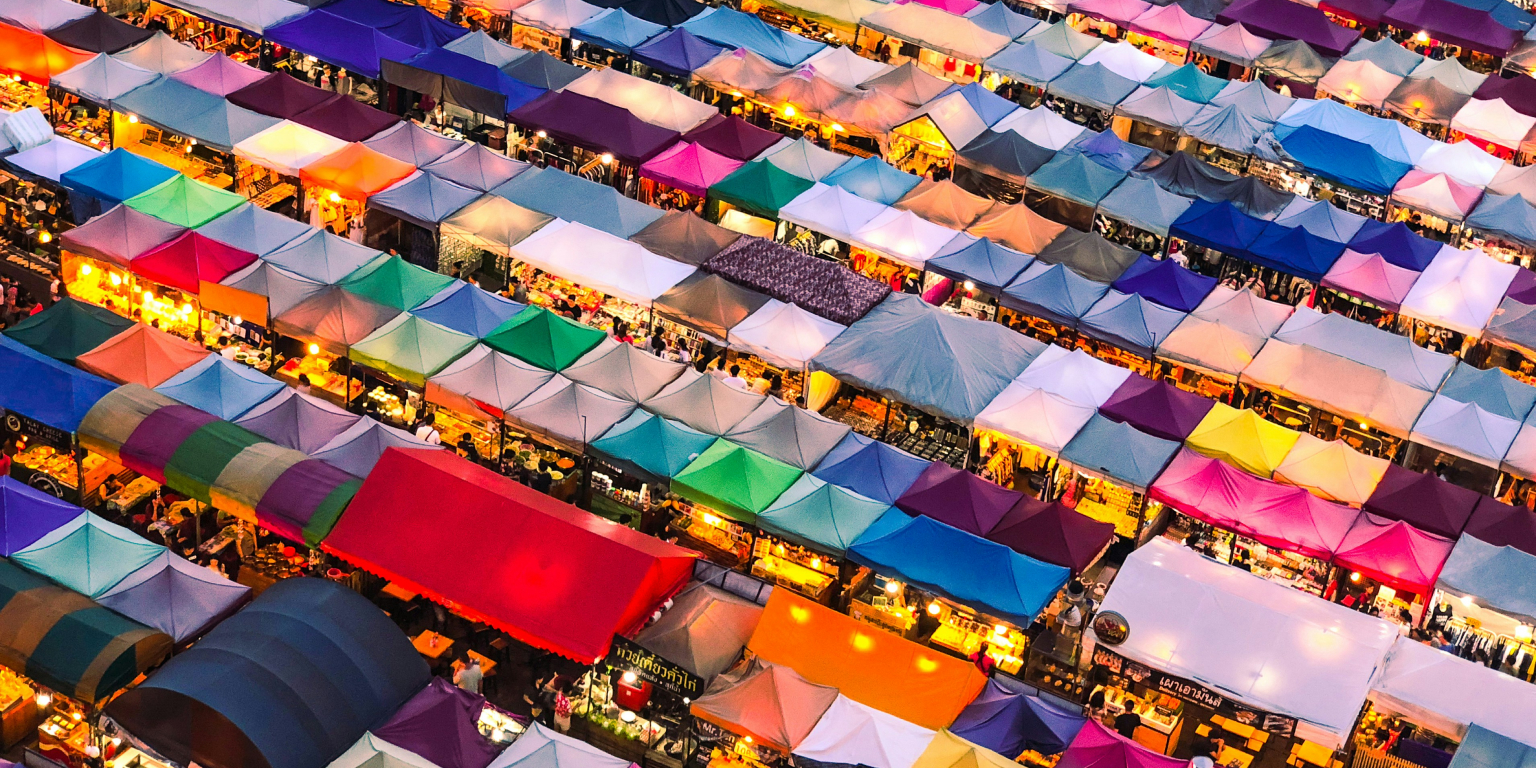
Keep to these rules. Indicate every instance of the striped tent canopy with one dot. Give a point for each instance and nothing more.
(218, 463)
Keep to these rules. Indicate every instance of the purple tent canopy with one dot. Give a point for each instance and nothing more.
(341, 42)
(1519, 92)
(1503, 525)
(1165, 282)
(595, 125)
(175, 596)
(1285, 20)
(1156, 407)
(439, 724)
(296, 421)
(220, 75)
(678, 52)
(1422, 500)
(280, 95)
(1396, 243)
(1010, 723)
(958, 498)
(1054, 533)
(1453, 23)
(27, 514)
(346, 118)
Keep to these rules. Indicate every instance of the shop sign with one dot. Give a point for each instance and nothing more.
(33, 429)
(628, 655)
(1111, 628)
(1193, 692)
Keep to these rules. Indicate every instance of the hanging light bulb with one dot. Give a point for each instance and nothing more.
(116, 279)
(314, 349)
(85, 270)
(789, 110)
(607, 158)
(133, 118)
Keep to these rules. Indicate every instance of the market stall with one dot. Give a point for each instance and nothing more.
(358, 449)
(1013, 723)
(1109, 466)
(44, 401)
(958, 498)
(873, 469)
(298, 421)
(1332, 470)
(727, 487)
(703, 402)
(638, 458)
(543, 338)
(808, 531)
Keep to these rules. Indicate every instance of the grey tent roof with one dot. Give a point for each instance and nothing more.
(542, 70)
(494, 223)
(1089, 255)
(187, 111)
(795, 436)
(320, 255)
(1093, 85)
(484, 376)
(1006, 155)
(1184, 174)
(704, 631)
(703, 402)
(1159, 107)
(1293, 60)
(709, 304)
(908, 84)
(1321, 218)
(1515, 180)
(1514, 324)
(1074, 176)
(482, 47)
(476, 166)
(1119, 452)
(1450, 73)
(410, 143)
(1144, 204)
(423, 199)
(1231, 127)
(1385, 53)
(1029, 62)
(102, 79)
(998, 18)
(599, 206)
(1254, 197)
(1492, 390)
(1063, 40)
(569, 413)
(624, 370)
(1232, 43)
(1255, 98)
(944, 364)
(298, 421)
(989, 265)
(1426, 100)
(254, 229)
(1054, 292)
(1510, 216)
(283, 290)
(683, 236)
(1130, 321)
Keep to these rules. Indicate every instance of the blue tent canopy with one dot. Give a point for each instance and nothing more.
(1054, 292)
(873, 179)
(1344, 160)
(1131, 322)
(1190, 82)
(254, 229)
(187, 111)
(1483, 748)
(1510, 216)
(616, 30)
(1165, 282)
(820, 515)
(1397, 244)
(423, 199)
(870, 468)
(980, 260)
(221, 387)
(1010, 723)
(341, 41)
(1119, 452)
(1230, 127)
(1093, 85)
(1145, 205)
(1075, 177)
(556, 193)
(293, 680)
(678, 52)
(1030, 63)
(1109, 150)
(960, 566)
(1219, 226)
(998, 18)
(468, 309)
(408, 23)
(1322, 218)
(1294, 251)
(987, 105)
(1492, 390)
(651, 447)
(734, 29)
(462, 80)
(46, 390)
(116, 176)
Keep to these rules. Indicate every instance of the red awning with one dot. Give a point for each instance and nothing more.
(497, 552)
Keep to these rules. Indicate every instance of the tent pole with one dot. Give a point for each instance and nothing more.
(885, 427)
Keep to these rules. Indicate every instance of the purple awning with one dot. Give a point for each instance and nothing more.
(595, 125)
(1156, 407)
(1453, 23)
(1165, 282)
(1422, 500)
(958, 498)
(439, 724)
(1285, 20)
(27, 514)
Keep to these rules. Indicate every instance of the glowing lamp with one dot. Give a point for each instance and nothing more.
(133, 118)
(934, 608)
(314, 349)
(335, 198)
(607, 158)
(838, 127)
(45, 237)
(542, 135)
(629, 677)
(789, 110)
(85, 270)
(44, 700)
(116, 280)
(1355, 577)
(237, 320)
(892, 587)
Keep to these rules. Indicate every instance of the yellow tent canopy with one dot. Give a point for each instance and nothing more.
(1332, 470)
(1243, 439)
(950, 751)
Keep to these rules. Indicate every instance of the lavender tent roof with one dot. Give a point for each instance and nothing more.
(175, 596)
(439, 724)
(297, 421)
(27, 514)
(869, 467)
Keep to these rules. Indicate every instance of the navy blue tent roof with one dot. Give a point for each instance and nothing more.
(678, 52)
(1166, 283)
(734, 29)
(116, 176)
(1054, 292)
(616, 29)
(341, 42)
(1131, 322)
(1120, 452)
(1294, 251)
(1220, 226)
(409, 23)
(668, 13)
(873, 179)
(870, 468)
(46, 390)
(1396, 243)
(462, 80)
(1010, 723)
(980, 260)
(1344, 160)
(468, 309)
(291, 681)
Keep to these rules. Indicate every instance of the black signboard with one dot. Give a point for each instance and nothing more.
(35, 430)
(630, 656)
(1193, 692)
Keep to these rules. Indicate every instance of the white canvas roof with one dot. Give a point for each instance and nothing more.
(1446, 694)
(1125, 60)
(1211, 347)
(1359, 82)
(832, 211)
(1345, 387)
(250, 15)
(54, 159)
(102, 78)
(1463, 161)
(1493, 120)
(783, 334)
(288, 147)
(164, 54)
(1466, 430)
(557, 16)
(1398, 356)
(1075, 375)
(854, 734)
(954, 116)
(1263, 643)
(1521, 456)
(844, 67)
(574, 414)
(652, 102)
(904, 236)
(1459, 290)
(937, 30)
(601, 261)
(41, 15)
(1044, 420)
(1042, 127)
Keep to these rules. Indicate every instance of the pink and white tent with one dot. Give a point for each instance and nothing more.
(1493, 120)
(1370, 276)
(1171, 23)
(1436, 193)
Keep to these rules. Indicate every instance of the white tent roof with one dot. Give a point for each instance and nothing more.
(1125, 60)
(102, 78)
(557, 16)
(1450, 73)
(652, 102)
(904, 236)
(1262, 643)
(1463, 161)
(250, 15)
(832, 211)
(844, 67)
(1432, 194)
(1446, 694)
(288, 147)
(1398, 356)
(1211, 347)
(573, 413)
(1331, 469)
(854, 734)
(567, 751)
(1231, 42)
(1243, 311)
(1466, 430)
(1493, 120)
(53, 159)
(1042, 419)
(803, 158)
(783, 334)
(374, 752)
(1460, 289)
(937, 30)
(954, 115)
(1359, 82)
(1075, 375)
(600, 261)
(41, 15)
(1521, 456)
(1345, 387)
(164, 54)
(1042, 127)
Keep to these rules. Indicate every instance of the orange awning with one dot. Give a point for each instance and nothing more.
(35, 57)
(868, 664)
(355, 171)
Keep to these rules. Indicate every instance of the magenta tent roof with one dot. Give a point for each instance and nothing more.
(958, 498)
(1274, 514)
(1099, 747)
(1394, 553)
(1372, 277)
(1285, 20)
(1117, 11)
(689, 167)
(1157, 408)
(439, 724)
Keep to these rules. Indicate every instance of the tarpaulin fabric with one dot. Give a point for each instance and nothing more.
(1450, 694)
(1171, 23)
(1465, 430)
(254, 17)
(546, 746)
(1144, 204)
(100, 32)
(1017, 227)
(734, 29)
(175, 596)
(41, 388)
(1157, 408)
(573, 198)
(1436, 193)
(87, 554)
(871, 468)
(1507, 216)
(1503, 525)
(733, 137)
(68, 329)
(163, 54)
(1130, 321)
(1006, 155)
(185, 202)
(805, 159)
(468, 309)
(596, 579)
(1332, 470)
(1042, 419)
(1218, 226)
(1359, 82)
(624, 371)
(1184, 174)
(484, 382)
(704, 631)
(1228, 127)
(948, 750)
(827, 289)
(373, 752)
(793, 435)
(1053, 533)
(1483, 748)
(1512, 325)
(983, 262)
(1125, 60)
(255, 229)
(41, 15)
(411, 143)
(736, 482)
(946, 204)
(958, 499)
(543, 338)
(1279, 20)
(565, 413)
(141, 355)
(334, 319)
(221, 387)
(596, 125)
(280, 95)
(300, 422)
(873, 179)
(1398, 356)
(1231, 42)
(1396, 243)
(34, 57)
(1054, 292)
(961, 115)
(1159, 107)
(440, 724)
(1096, 746)
(936, 30)
(902, 236)
(1459, 289)
(493, 224)
(455, 78)
(396, 283)
(341, 41)
(1094, 85)
(410, 348)
(1322, 219)
(1075, 177)
(820, 515)
(219, 75)
(355, 172)
(357, 450)
(121, 234)
(616, 29)
(1394, 552)
(1242, 438)
(102, 79)
(684, 237)
(843, 66)
(650, 446)
(1491, 575)
(1166, 283)
(1453, 23)
(116, 176)
(913, 683)
(601, 262)
(423, 199)
(190, 260)
(475, 166)
(1010, 723)
(1342, 159)
(1424, 500)
(345, 118)
(689, 167)
(1293, 250)
(187, 111)
(1493, 390)
(908, 84)
(853, 731)
(1120, 452)
(770, 702)
(1336, 384)
(321, 256)
(1237, 321)
(67, 642)
(678, 52)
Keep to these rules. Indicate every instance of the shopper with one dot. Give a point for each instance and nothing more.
(469, 676)
(427, 432)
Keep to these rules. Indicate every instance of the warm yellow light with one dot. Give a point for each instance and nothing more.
(16, 77)
(542, 135)
(85, 270)
(133, 118)
(970, 286)
(187, 149)
(1364, 425)
(926, 664)
(1355, 577)
(43, 700)
(629, 677)
(1523, 633)
(237, 320)
(1422, 36)
(1467, 601)
(45, 237)
(335, 198)
(838, 127)
(76, 715)
(314, 349)
(607, 158)
(1000, 629)
(799, 614)
(789, 110)
(711, 519)
(816, 563)
(186, 309)
(892, 587)
(116, 279)
(192, 142)
(747, 739)
(934, 608)
(862, 642)
(737, 94)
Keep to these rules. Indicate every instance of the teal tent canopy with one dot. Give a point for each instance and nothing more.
(873, 179)
(651, 447)
(1119, 452)
(821, 516)
(88, 554)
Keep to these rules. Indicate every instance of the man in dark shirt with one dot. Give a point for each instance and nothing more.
(1127, 722)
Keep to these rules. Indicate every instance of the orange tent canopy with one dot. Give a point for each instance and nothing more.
(868, 664)
(35, 57)
(141, 355)
(355, 171)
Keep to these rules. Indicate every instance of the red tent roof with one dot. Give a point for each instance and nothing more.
(1099, 747)
(497, 552)
(1053, 532)
(191, 258)
(1394, 553)
(142, 355)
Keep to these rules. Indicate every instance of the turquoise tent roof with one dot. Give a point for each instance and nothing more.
(873, 179)
(616, 30)
(650, 446)
(816, 514)
(221, 387)
(1075, 177)
(556, 193)
(1190, 82)
(88, 554)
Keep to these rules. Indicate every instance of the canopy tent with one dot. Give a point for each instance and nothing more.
(163, 54)
(804, 158)
(67, 642)
(1465, 430)
(358, 450)
(219, 75)
(45, 390)
(1450, 695)
(1017, 227)
(334, 319)
(185, 202)
(1294, 250)
(1171, 23)
(396, 283)
(175, 596)
(1399, 245)
(355, 172)
(87, 554)
(41, 15)
(1130, 321)
(287, 147)
(468, 309)
(1006, 155)
(1094, 85)
(871, 468)
(958, 499)
(1243, 439)
(1459, 289)
(1229, 127)
(1394, 553)
(322, 257)
(1053, 533)
(1204, 621)
(1436, 193)
(493, 223)
(1396, 355)
(1359, 81)
(703, 402)
(736, 482)
(1075, 375)
(1144, 204)
(615, 29)
(1483, 748)
(704, 631)
(759, 188)
(1096, 746)
(440, 725)
(485, 382)
(770, 702)
(1119, 452)
(280, 95)
(115, 176)
(100, 32)
(1157, 408)
(832, 211)
(568, 414)
(1277, 20)
(1223, 335)
(102, 79)
(342, 42)
(831, 291)
(689, 167)
(1220, 226)
(1492, 390)
(257, 293)
(1511, 325)
(1489, 576)
(35, 58)
(189, 261)
(121, 234)
(796, 436)
(601, 262)
(842, 65)
(1424, 500)
(301, 422)
(820, 515)
(141, 355)
(982, 262)
(1075, 177)
(254, 17)
(410, 348)
(1501, 525)
(1321, 218)
(475, 166)
(852, 733)
(961, 115)
(1231, 42)
(423, 199)
(733, 29)
(1165, 282)
(1339, 385)
(1009, 723)
(1332, 470)
(654, 103)
(1511, 217)
(1454, 23)
(1159, 106)
(254, 229)
(918, 685)
(936, 30)
(192, 113)
(783, 334)
(946, 204)
(68, 329)
(678, 52)
(651, 447)
(1124, 59)
(624, 371)
(543, 338)
(1185, 174)
(221, 387)
(1431, 99)
(372, 752)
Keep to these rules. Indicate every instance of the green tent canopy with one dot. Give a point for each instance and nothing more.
(734, 481)
(68, 329)
(543, 338)
(196, 465)
(651, 447)
(410, 348)
(395, 282)
(185, 201)
(88, 554)
(760, 188)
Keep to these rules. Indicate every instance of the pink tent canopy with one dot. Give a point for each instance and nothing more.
(219, 75)
(1394, 553)
(191, 260)
(689, 167)
(1099, 747)
(957, 7)
(1171, 23)
(1436, 193)
(1115, 11)
(1370, 276)
(1276, 515)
